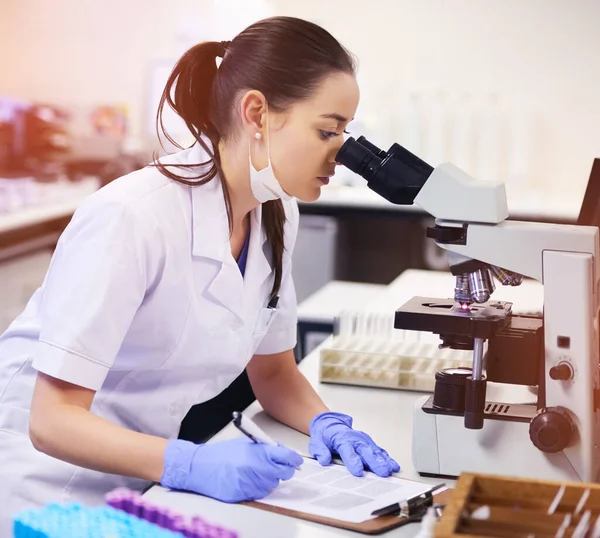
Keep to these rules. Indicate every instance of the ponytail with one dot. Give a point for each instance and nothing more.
(273, 216)
(187, 92)
(190, 92)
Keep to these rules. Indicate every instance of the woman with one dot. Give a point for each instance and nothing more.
(172, 280)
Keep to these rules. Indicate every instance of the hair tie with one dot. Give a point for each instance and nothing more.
(224, 45)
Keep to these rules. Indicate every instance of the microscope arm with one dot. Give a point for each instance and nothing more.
(516, 246)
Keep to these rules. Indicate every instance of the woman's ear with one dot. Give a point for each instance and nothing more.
(253, 109)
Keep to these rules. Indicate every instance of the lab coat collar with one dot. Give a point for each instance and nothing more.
(210, 239)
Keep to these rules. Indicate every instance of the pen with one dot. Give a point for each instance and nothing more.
(250, 429)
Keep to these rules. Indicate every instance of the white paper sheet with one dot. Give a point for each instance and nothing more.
(334, 492)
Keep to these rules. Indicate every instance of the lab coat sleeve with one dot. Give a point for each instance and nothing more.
(96, 281)
(283, 330)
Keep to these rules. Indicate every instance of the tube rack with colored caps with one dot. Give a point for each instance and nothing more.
(127, 515)
(134, 504)
(76, 521)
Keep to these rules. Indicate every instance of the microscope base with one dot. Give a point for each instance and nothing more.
(442, 446)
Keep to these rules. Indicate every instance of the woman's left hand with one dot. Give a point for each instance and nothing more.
(332, 433)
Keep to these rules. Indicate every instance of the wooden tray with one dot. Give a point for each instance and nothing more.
(518, 507)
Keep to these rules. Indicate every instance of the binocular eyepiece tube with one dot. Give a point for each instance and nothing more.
(396, 174)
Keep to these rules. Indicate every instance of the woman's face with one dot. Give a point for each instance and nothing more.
(306, 138)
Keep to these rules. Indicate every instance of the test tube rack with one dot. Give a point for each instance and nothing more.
(126, 515)
(366, 350)
(132, 503)
(497, 506)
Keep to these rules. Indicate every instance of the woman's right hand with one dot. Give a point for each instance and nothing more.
(230, 471)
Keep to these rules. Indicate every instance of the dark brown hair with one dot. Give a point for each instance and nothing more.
(285, 58)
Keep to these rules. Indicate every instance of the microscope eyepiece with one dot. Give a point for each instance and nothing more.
(397, 175)
(358, 157)
(371, 147)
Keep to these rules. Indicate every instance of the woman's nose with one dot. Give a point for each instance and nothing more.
(334, 155)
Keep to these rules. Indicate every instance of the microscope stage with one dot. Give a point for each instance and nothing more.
(447, 317)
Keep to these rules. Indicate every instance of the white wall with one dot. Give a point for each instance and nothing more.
(539, 55)
(82, 52)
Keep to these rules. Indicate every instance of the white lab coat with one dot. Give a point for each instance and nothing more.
(143, 303)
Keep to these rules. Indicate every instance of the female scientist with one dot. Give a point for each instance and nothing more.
(172, 280)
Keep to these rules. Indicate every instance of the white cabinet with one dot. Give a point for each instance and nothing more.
(313, 260)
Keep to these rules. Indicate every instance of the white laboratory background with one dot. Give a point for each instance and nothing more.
(506, 90)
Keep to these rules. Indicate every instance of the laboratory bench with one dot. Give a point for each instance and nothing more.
(38, 224)
(28, 236)
(34, 229)
(386, 414)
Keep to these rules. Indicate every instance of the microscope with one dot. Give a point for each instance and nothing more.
(553, 435)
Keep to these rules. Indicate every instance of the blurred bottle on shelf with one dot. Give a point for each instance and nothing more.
(34, 138)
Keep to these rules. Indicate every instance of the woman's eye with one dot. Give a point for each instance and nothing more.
(326, 135)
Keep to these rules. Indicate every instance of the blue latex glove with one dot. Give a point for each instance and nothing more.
(332, 433)
(230, 471)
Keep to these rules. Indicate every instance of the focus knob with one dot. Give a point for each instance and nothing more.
(551, 429)
(561, 372)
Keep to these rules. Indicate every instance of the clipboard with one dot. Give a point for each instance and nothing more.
(374, 526)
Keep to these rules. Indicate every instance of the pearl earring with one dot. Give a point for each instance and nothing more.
(258, 136)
